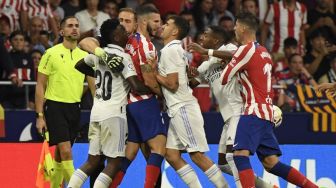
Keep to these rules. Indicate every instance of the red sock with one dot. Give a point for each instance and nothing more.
(295, 177)
(117, 179)
(152, 174)
(247, 178)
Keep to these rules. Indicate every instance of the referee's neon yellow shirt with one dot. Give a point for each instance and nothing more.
(65, 83)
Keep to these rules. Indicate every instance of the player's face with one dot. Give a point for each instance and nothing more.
(239, 30)
(18, 42)
(36, 58)
(227, 25)
(4, 27)
(122, 35)
(318, 43)
(207, 40)
(153, 23)
(127, 19)
(71, 29)
(168, 29)
(251, 7)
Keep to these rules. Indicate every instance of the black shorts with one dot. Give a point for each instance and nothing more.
(63, 121)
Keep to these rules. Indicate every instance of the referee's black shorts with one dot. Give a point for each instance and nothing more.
(63, 121)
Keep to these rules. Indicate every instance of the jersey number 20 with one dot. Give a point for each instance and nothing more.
(105, 83)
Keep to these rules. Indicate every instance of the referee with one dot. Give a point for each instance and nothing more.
(58, 93)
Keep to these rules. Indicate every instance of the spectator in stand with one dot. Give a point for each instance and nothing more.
(43, 42)
(287, 18)
(315, 61)
(297, 74)
(5, 31)
(281, 69)
(39, 8)
(203, 15)
(111, 8)
(330, 76)
(11, 9)
(6, 64)
(91, 19)
(35, 28)
(187, 15)
(57, 11)
(24, 69)
(36, 58)
(251, 6)
(323, 19)
(71, 7)
(226, 23)
(221, 9)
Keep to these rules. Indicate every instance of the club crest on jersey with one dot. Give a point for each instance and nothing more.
(131, 49)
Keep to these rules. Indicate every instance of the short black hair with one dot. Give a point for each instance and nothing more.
(107, 30)
(317, 33)
(65, 19)
(17, 32)
(290, 42)
(249, 20)
(145, 9)
(182, 26)
(219, 33)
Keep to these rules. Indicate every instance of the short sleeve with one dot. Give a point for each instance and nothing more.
(91, 60)
(45, 65)
(129, 69)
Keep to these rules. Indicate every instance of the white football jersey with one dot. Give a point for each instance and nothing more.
(228, 96)
(174, 60)
(111, 88)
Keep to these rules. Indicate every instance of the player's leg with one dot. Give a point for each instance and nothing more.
(153, 131)
(132, 147)
(189, 126)
(250, 130)
(173, 157)
(222, 163)
(57, 176)
(94, 158)
(268, 153)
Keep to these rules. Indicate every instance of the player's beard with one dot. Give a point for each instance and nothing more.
(150, 31)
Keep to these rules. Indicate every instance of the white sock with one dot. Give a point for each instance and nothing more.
(260, 183)
(188, 175)
(229, 159)
(102, 181)
(226, 169)
(77, 179)
(215, 176)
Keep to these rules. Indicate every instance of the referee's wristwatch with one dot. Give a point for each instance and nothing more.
(39, 114)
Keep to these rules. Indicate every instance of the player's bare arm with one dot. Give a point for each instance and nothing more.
(149, 79)
(170, 81)
(138, 86)
(41, 86)
(89, 44)
(216, 53)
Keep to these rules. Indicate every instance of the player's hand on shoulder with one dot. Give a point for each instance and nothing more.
(114, 62)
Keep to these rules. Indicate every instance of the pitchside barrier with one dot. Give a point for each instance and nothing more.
(311, 152)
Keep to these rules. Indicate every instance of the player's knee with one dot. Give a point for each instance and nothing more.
(269, 162)
(172, 157)
(197, 157)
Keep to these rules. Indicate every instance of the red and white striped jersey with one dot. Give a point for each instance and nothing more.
(11, 9)
(253, 66)
(34, 8)
(285, 23)
(140, 49)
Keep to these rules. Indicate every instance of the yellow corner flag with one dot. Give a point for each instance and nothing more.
(46, 165)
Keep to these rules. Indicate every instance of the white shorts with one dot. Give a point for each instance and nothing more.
(108, 137)
(228, 133)
(186, 130)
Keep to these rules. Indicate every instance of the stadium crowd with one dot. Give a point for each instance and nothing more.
(299, 33)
